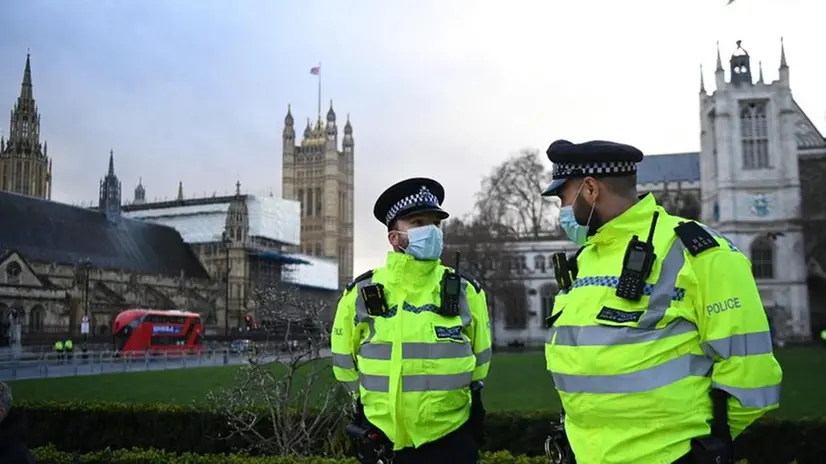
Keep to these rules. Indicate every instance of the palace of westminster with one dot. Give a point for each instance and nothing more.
(60, 263)
(757, 177)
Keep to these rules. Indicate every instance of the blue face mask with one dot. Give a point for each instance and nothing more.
(576, 232)
(425, 243)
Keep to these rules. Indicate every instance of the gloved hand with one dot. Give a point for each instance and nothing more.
(477, 414)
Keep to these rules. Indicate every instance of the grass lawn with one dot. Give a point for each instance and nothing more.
(517, 382)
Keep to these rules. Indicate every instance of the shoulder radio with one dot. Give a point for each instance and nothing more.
(637, 264)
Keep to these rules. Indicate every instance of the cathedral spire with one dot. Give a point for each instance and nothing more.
(26, 87)
(719, 67)
(702, 81)
(783, 63)
(111, 162)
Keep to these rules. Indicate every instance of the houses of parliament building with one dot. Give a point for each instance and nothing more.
(60, 263)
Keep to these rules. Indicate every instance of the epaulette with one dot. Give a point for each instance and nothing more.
(358, 279)
(695, 237)
(471, 280)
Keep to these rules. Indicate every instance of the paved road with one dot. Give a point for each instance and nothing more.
(38, 369)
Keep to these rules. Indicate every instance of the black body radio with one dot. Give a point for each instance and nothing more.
(637, 265)
(451, 291)
(562, 272)
(374, 301)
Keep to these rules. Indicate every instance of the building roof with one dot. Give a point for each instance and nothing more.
(673, 167)
(48, 231)
(203, 220)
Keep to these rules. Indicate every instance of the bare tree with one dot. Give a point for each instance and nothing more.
(510, 197)
(487, 254)
(285, 401)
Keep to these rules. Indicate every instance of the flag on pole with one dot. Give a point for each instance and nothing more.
(315, 70)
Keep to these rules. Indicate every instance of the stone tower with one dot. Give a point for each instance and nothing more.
(750, 179)
(140, 193)
(24, 164)
(109, 198)
(320, 176)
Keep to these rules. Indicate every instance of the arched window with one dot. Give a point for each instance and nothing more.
(546, 301)
(539, 263)
(318, 202)
(762, 258)
(301, 200)
(13, 271)
(37, 316)
(310, 202)
(318, 249)
(754, 135)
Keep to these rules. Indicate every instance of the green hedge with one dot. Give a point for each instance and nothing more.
(85, 427)
(50, 455)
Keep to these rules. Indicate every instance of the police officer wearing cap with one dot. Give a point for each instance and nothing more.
(659, 346)
(412, 341)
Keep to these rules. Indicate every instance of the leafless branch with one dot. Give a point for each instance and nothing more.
(284, 401)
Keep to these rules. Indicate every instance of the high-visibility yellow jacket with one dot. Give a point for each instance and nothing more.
(635, 377)
(412, 367)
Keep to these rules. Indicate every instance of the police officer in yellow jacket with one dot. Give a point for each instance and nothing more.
(659, 345)
(412, 340)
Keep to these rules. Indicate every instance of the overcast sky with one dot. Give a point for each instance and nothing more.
(197, 90)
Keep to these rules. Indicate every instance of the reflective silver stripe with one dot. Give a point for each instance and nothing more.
(464, 307)
(760, 397)
(635, 382)
(344, 361)
(604, 335)
(380, 351)
(483, 357)
(436, 350)
(418, 383)
(660, 299)
(415, 350)
(352, 386)
(377, 383)
(739, 345)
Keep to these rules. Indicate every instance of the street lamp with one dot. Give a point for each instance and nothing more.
(225, 239)
(87, 266)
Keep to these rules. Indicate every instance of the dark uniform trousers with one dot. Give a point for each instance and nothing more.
(457, 447)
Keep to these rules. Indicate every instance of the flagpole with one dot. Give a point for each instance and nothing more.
(319, 90)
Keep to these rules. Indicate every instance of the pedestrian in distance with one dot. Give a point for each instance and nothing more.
(411, 340)
(659, 344)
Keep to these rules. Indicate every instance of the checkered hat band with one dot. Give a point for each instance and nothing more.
(605, 168)
(423, 198)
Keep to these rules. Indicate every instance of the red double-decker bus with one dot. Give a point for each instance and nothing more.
(140, 330)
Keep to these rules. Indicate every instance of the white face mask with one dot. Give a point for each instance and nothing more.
(424, 243)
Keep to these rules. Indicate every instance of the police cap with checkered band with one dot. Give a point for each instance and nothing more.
(410, 197)
(596, 158)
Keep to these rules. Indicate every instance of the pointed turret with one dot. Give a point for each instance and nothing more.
(719, 72)
(760, 72)
(26, 88)
(348, 142)
(110, 193)
(111, 163)
(702, 81)
(140, 193)
(784, 66)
